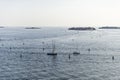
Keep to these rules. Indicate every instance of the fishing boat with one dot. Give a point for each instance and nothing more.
(76, 52)
(53, 49)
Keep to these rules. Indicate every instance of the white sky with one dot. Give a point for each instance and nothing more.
(60, 12)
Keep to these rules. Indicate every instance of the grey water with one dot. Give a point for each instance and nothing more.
(23, 54)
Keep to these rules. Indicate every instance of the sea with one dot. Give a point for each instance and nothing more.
(23, 54)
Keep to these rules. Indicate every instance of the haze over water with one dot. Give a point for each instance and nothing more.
(59, 13)
(22, 56)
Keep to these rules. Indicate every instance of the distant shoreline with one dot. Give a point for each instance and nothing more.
(32, 28)
(109, 27)
(2, 27)
(81, 28)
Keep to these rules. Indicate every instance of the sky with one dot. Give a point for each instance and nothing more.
(60, 13)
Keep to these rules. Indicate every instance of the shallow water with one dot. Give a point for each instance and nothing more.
(22, 56)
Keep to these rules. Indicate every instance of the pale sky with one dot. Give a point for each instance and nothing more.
(60, 12)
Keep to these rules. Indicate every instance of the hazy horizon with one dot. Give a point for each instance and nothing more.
(59, 13)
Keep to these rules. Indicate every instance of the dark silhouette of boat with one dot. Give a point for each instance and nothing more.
(81, 28)
(53, 50)
(51, 53)
(76, 52)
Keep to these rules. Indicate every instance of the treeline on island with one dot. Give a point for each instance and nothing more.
(93, 28)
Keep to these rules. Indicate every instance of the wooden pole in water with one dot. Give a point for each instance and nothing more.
(20, 55)
(89, 49)
(112, 57)
(69, 56)
(43, 46)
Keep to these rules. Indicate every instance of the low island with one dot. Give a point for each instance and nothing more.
(109, 27)
(81, 28)
(2, 27)
(32, 28)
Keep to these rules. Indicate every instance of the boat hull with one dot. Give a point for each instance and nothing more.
(51, 53)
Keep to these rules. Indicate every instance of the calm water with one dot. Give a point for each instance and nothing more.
(22, 56)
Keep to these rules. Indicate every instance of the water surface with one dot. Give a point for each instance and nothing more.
(22, 56)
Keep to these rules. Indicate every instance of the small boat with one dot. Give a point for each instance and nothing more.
(51, 53)
(53, 50)
(76, 52)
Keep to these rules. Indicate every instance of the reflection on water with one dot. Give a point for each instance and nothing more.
(22, 57)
